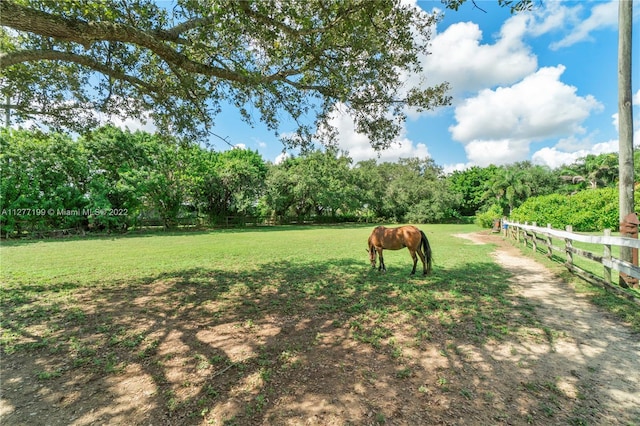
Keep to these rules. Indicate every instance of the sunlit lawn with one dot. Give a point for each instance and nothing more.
(318, 268)
(96, 308)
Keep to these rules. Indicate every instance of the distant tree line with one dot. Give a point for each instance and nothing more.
(110, 179)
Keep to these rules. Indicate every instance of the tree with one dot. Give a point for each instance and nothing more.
(242, 173)
(591, 171)
(371, 182)
(336, 192)
(509, 186)
(44, 181)
(541, 179)
(411, 182)
(114, 159)
(601, 170)
(278, 198)
(471, 185)
(321, 183)
(142, 175)
(440, 205)
(63, 62)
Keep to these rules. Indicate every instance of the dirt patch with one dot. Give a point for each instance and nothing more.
(583, 346)
(176, 352)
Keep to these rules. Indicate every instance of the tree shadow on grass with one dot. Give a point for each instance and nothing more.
(285, 343)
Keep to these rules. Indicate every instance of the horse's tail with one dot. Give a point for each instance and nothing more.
(426, 247)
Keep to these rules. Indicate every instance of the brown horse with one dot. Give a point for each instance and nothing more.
(396, 238)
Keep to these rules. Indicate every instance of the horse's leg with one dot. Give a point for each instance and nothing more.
(424, 262)
(415, 260)
(381, 267)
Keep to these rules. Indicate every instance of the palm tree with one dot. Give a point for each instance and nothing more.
(596, 170)
(509, 186)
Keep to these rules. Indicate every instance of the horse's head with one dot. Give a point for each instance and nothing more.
(372, 256)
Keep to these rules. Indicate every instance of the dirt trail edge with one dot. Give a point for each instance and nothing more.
(585, 346)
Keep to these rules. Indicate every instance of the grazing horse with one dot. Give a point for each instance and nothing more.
(396, 238)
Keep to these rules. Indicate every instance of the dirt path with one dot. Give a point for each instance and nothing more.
(587, 347)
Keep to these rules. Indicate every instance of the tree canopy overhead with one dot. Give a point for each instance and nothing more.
(63, 62)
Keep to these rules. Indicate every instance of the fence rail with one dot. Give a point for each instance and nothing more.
(543, 236)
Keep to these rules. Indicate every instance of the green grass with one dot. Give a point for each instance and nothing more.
(56, 265)
(324, 269)
(99, 305)
(321, 268)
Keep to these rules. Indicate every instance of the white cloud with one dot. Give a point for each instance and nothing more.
(572, 143)
(538, 107)
(554, 16)
(554, 158)
(603, 15)
(499, 151)
(131, 124)
(614, 121)
(143, 123)
(568, 150)
(497, 126)
(510, 103)
(281, 157)
(458, 57)
(450, 168)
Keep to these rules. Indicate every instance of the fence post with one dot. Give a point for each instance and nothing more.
(607, 256)
(569, 248)
(518, 229)
(534, 239)
(629, 228)
(549, 243)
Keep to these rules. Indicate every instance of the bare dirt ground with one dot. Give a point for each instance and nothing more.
(590, 348)
(574, 365)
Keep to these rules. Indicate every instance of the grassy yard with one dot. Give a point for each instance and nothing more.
(318, 268)
(235, 326)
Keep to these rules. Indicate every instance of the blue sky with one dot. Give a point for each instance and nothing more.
(538, 86)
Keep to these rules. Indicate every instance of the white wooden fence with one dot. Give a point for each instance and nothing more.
(540, 236)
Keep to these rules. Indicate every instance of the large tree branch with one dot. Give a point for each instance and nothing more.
(85, 33)
(8, 59)
(173, 34)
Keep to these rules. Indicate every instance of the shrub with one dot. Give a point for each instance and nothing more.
(553, 209)
(586, 211)
(486, 219)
